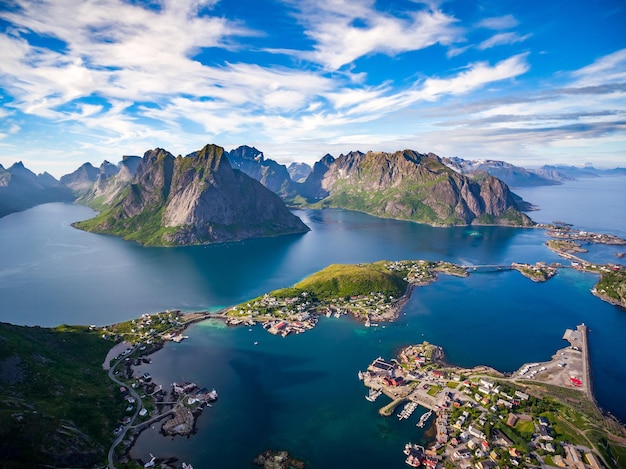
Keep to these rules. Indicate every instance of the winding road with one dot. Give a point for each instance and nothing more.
(125, 429)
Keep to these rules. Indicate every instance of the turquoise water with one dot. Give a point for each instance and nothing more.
(301, 393)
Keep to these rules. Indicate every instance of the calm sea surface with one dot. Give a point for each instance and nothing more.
(301, 393)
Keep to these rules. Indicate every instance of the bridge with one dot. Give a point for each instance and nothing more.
(486, 267)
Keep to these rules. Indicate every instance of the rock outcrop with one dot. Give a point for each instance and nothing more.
(195, 199)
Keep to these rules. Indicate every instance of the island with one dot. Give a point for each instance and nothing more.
(540, 272)
(368, 292)
(543, 414)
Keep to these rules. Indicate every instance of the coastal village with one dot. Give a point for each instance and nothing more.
(485, 419)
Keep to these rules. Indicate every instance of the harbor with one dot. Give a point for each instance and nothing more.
(485, 416)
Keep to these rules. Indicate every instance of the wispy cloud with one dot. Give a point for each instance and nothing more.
(345, 30)
(498, 22)
(502, 39)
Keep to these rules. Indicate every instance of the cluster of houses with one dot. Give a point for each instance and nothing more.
(421, 272)
(282, 316)
(480, 421)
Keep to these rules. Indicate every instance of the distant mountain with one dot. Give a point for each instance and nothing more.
(575, 172)
(299, 171)
(513, 176)
(412, 186)
(81, 180)
(20, 189)
(268, 172)
(312, 188)
(195, 199)
(110, 182)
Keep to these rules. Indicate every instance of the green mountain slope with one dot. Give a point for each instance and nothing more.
(412, 186)
(57, 405)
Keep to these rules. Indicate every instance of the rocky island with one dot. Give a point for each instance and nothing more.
(197, 199)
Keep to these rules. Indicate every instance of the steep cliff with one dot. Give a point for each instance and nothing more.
(194, 200)
(412, 186)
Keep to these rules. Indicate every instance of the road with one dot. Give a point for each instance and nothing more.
(125, 429)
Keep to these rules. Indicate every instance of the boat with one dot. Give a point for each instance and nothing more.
(360, 375)
(150, 463)
(186, 466)
(423, 419)
(373, 395)
(212, 395)
(408, 410)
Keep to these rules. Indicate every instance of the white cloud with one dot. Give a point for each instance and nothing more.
(346, 30)
(498, 22)
(606, 69)
(502, 39)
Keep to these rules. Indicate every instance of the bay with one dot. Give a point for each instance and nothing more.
(301, 393)
(594, 204)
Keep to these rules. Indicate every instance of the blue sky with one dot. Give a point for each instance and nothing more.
(527, 82)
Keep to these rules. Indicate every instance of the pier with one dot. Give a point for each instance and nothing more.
(586, 371)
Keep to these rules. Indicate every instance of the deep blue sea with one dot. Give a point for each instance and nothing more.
(301, 393)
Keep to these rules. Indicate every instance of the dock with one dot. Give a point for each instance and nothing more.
(582, 329)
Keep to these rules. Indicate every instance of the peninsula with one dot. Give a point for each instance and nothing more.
(196, 199)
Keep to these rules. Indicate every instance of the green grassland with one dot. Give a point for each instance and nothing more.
(57, 404)
(146, 228)
(344, 280)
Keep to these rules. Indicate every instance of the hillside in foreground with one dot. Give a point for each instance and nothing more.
(57, 405)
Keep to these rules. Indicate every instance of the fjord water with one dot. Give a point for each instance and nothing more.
(301, 393)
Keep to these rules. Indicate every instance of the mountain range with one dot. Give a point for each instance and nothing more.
(214, 195)
(20, 189)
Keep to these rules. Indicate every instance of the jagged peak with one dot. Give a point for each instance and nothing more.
(157, 154)
(327, 159)
(212, 156)
(247, 152)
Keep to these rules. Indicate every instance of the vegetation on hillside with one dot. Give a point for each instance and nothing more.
(146, 228)
(612, 287)
(57, 404)
(342, 280)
